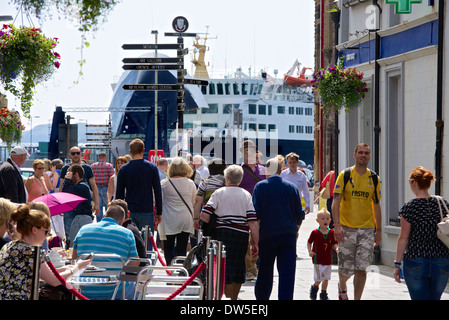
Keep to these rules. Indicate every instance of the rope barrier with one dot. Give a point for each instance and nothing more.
(159, 256)
(64, 282)
(189, 281)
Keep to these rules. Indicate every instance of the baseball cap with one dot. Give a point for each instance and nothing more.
(19, 150)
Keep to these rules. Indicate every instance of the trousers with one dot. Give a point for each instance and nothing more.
(283, 249)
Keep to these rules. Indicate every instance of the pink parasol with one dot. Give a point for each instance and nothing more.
(60, 202)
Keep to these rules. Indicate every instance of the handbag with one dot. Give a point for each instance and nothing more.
(443, 225)
(326, 192)
(48, 292)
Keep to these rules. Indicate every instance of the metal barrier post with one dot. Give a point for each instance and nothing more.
(210, 274)
(36, 271)
(147, 234)
(219, 268)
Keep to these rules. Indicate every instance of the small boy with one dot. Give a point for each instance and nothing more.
(320, 245)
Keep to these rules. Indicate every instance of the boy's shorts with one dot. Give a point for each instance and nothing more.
(322, 272)
(355, 252)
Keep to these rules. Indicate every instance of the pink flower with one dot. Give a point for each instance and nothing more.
(57, 55)
(57, 64)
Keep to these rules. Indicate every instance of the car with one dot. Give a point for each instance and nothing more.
(26, 172)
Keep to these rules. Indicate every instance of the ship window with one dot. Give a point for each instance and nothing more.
(260, 89)
(227, 88)
(213, 108)
(227, 108)
(203, 89)
(252, 109)
(191, 111)
(299, 129)
(291, 129)
(291, 110)
(253, 89)
(262, 109)
(220, 88)
(271, 127)
(236, 88)
(309, 129)
(270, 107)
(262, 127)
(211, 88)
(300, 111)
(252, 126)
(210, 125)
(308, 111)
(244, 88)
(281, 109)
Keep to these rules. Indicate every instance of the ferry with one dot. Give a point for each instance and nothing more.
(276, 113)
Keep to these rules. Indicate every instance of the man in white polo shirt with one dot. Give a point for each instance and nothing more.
(297, 177)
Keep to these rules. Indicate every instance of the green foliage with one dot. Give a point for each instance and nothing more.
(339, 87)
(27, 58)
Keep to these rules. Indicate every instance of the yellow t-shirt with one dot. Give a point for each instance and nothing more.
(356, 206)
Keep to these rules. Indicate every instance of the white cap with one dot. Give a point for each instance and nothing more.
(19, 150)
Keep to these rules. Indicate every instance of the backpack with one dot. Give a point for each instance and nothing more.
(374, 176)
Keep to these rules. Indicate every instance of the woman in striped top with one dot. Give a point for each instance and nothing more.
(235, 218)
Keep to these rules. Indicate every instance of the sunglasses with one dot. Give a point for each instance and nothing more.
(47, 231)
(75, 153)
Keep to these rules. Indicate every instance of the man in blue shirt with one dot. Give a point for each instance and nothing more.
(136, 182)
(105, 237)
(83, 212)
(279, 211)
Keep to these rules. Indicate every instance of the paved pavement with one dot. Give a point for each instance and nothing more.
(380, 283)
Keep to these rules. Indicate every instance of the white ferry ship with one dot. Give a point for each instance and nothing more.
(278, 114)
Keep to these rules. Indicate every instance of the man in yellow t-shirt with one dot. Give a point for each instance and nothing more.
(357, 221)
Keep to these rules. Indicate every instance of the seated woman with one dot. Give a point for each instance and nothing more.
(16, 257)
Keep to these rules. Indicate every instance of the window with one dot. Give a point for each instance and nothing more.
(270, 107)
(308, 111)
(291, 129)
(299, 129)
(262, 127)
(227, 108)
(211, 88)
(209, 125)
(271, 127)
(262, 109)
(220, 88)
(203, 89)
(309, 129)
(252, 126)
(252, 108)
(235, 86)
(299, 111)
(191, 111)
(227, 88)
(253, 89)
(244, 88)
(291, 110)
(213, 108)
(281, 110)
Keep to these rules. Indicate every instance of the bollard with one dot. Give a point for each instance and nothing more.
(218, 270)
(210, 274)
(36, 270)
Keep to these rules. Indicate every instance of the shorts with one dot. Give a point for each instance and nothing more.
(355, 252)
(322, 272)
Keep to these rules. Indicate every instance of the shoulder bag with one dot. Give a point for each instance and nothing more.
(326, 192)
(443, 225)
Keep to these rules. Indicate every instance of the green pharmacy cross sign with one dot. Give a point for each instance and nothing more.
(402, 6)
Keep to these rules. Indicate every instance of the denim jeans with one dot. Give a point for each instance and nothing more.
(68, 219)
(143, 219)
(426, 278)
(102, 201)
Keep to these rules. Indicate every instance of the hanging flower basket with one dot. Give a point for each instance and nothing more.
(10, 127)
(339, 87)
(27, 58)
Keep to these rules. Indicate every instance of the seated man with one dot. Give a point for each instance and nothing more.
(105, 237)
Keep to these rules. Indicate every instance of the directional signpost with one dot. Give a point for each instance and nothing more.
(180, 25)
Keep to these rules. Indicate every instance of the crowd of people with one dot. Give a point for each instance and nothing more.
(254, 208)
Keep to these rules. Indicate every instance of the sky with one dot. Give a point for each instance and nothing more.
(252, 34)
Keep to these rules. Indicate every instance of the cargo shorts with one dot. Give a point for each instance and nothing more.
(355, 252)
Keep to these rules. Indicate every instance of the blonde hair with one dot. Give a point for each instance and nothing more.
(37, 162)
(6, 208)
(122, 159)
(179, 167)
(322, 211)
(27, 218)
(39, 205)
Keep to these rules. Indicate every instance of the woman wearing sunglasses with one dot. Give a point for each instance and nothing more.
(36, 185)
(16, 257)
